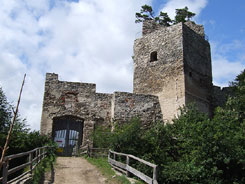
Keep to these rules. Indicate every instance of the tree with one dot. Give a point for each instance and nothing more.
(236, 103)
(146, 13)
(163, 19)
(22, 139)
(5, 112)
(183, 15)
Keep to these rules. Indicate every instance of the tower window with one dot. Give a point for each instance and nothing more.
(153, 56)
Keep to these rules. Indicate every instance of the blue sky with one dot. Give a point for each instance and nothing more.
(92, 41)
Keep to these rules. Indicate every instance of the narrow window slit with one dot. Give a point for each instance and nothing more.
(153, 56)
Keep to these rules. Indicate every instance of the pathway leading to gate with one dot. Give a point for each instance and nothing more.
(76, 170)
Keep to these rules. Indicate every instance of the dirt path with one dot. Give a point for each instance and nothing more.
(76, 170)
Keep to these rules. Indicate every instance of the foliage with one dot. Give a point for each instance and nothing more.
(44, 166)
(22, 139)
(5, 112)
(193, 149)
(236, 103)
(183, 15)
(101, 137)
(146, 13)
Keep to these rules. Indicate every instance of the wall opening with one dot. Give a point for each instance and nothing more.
(67, 132)
(153, 56)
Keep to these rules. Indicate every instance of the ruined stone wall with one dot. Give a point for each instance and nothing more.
(165, 76)
(197, 68)
(199, 29)
(80, 100)
(149, 26)
(129, 105)
(63, 98)
(220, 95)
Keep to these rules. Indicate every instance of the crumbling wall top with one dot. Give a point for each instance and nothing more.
(150, 26)
(51, 77)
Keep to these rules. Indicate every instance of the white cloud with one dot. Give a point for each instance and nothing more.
(224, 71)
(88, 41)
(194, 6)
(224, 68)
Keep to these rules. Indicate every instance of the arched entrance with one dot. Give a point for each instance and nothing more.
(67, 132)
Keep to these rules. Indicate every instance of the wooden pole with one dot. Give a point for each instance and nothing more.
(12, 124)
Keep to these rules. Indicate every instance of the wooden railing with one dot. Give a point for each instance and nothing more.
(94, 152)
(127, 169)
(34, 158)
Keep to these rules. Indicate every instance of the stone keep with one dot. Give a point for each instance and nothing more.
(174, 63)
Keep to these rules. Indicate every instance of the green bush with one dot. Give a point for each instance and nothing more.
(22, 139)
(194, 149)
(45, 165)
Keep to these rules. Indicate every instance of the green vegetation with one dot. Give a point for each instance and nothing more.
(105, 168)
(146, 13)
(22, 139)
(46, 165)
(194, 149)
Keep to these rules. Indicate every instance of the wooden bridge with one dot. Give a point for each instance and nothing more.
(119, 161)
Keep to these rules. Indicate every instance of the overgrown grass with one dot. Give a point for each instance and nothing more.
(106, 170)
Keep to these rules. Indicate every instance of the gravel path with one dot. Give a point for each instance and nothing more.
(76, 170)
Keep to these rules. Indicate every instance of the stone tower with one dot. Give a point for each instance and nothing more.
(174, 63)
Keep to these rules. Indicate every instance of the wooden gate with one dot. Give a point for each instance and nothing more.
(67, 133)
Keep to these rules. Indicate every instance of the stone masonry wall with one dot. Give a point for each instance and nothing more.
(220, 95)
(182, 72)
(198, 71)
(164, 77)
(76, 99)
(128, 105)
(80, 100)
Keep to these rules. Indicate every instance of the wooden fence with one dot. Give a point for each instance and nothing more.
(35, 157)
(94, 152)
(127, 169)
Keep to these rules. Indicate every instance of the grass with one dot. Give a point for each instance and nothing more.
(106, 170)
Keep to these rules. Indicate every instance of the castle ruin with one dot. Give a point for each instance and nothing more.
(172, 67)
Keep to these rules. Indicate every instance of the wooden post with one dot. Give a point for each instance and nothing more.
(128, 162)
(88, 151)
(30, 161)
(36, 156)
(5, 171)
(39, 155)
(155, 175)
(109, 155)
(114, 156)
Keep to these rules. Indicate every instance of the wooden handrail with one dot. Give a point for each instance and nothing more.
(32, 162)
(126, 168)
